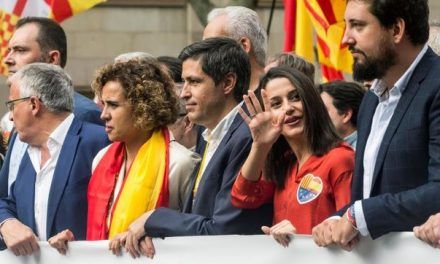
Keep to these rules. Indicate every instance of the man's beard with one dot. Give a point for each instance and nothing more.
(374, 67)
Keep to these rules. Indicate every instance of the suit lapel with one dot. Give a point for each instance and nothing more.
(408, 95)
(62, 172)
(187, 207)
(25, 189)
(4, 173)
(235, 124)
(365, 122)
(368, 108)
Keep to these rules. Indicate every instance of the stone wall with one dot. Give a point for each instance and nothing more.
(95, 37)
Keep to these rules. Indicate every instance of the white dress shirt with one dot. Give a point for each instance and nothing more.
(214, 137)
(381, 119)
(44, 175)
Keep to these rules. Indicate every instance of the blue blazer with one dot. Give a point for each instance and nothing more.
(211, 211)
(406, 178)
(84, 110)
(67, 207)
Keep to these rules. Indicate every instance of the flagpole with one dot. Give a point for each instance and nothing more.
(269, 24)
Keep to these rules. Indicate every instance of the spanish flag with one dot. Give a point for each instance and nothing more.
(12, 10)
(318, 24)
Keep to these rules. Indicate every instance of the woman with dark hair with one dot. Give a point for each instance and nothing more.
(297, 160)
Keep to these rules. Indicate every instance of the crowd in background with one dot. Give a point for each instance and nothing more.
(223, 140)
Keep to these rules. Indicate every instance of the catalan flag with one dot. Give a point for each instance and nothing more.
(318, 24)
(12, 10)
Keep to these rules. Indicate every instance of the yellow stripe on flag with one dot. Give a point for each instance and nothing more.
(81, 5)
(304, 33)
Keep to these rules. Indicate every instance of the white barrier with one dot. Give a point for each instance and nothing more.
(396, 248)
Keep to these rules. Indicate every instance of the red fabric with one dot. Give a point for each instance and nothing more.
(316, 16)
(61, 9)
(331, 74)
(327, 10)
(19, 7)
(164, 196)
(100, 190)
(102, 185)
(289, 24)
(335, 170)
(251, 195)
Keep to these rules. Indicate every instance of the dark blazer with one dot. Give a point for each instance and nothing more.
(406, 178)
(84, 110)
(212, 212)
(67, 207)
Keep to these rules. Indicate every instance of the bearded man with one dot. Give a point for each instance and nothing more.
(396, 184)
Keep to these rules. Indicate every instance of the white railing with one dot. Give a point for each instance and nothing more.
(398, 248)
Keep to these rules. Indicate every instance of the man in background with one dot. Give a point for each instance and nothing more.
(342, 100)
(243, 25)
(38, 39)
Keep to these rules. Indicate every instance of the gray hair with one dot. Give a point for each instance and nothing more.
(434, 36)
(135, 55)
(50, 83)
(244, 22)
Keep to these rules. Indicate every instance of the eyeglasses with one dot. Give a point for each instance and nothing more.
(10, 104)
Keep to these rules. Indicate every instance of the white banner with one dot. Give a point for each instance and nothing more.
(398, 248)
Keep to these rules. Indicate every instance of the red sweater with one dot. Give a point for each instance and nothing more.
(310, 195)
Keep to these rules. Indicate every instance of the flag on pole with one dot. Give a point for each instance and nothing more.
(12, 10)
(318, 24)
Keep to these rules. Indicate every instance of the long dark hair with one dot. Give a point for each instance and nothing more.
(318, 128)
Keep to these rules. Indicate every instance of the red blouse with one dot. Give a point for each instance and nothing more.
(310, 195)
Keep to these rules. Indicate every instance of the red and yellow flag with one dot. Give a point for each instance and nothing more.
(319, 24)
(12, 10)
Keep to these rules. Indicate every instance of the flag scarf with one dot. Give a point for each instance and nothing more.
(318, 23)
(144, 188)
(12, 10)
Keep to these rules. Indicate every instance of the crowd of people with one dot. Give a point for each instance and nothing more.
(222, 140)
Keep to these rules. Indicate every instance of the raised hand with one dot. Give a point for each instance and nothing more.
(265, 127)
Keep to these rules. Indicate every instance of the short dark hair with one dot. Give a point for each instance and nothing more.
(415, 13)
(51, 36)
(173, 66)
(345, 96)
(292, 60)
(219, 57)
(320, 132)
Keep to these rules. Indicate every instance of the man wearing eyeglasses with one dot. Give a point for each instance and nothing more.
(50, 193)
(38, 39)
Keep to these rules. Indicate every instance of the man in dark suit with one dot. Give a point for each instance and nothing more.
(50, 192)
(396, 184)
(216, 73)
(38, 39)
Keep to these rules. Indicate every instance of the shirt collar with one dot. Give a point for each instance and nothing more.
(222, 127)
(378, 87)
(59, 134)
(350, 139)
